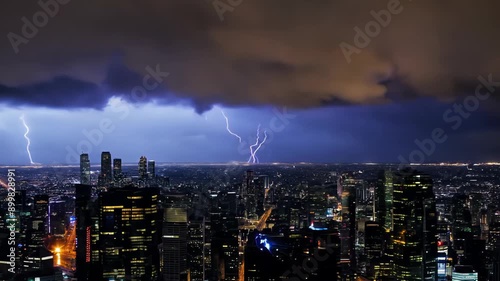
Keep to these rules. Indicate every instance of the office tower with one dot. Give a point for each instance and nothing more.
(40, 216)
(84, 169)
(175, 231)
(196, 250)
(317, 205)
(248, 195)
(384, 199)
(57, 217)
(224, 247)
(128, 233)
(347, 184)
(461, 228)
(117, 169)
(83, 195)
(373, 245)
(151, 169)
(106, 172)
(143, 167)
(22, 218)
(261, 189)
(415, 227)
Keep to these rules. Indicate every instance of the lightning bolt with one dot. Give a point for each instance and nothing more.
(227, 126)
(27, 139)
(260, 145)
(252, 158)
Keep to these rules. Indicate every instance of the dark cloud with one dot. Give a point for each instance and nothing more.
(59, 92)
(263, 53)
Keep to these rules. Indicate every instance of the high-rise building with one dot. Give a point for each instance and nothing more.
(347, 185)
(373, 245)
(57, 217)
(143, 167)
(83, 232)
(151, 169)
(106, 171)
(41, 213)
(224, 246)
(128, 233)
(414, 236)
(117, 169)
(175, 232)
(384, 199)
(84, 169)
(196, 250)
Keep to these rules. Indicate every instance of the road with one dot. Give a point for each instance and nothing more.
(65, 252)
(263, 219)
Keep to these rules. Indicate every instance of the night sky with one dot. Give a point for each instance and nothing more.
(151, 78)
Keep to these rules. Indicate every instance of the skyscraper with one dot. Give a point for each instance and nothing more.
(347, 185)
(84, 169)
(175, 230)
(384, 199)
(143, 167)
(117, 170)
(414, 241)
(83, 231)
(196, 250)
(128, 233)
(106, 172)
(151, 169)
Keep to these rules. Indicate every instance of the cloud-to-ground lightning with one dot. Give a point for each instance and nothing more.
(252, 154)
(254, 148)
(27, 139)
(227, 126)
(260, 145)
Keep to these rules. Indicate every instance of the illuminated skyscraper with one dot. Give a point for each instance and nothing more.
(84, 169)
(347, 185)
(175, 232)
(151, 169)
(106, 172)
(83, 231)
(384, 199)
(128, 233)
(414, 236)
(196, 250)
(143, 167)
(117, 169)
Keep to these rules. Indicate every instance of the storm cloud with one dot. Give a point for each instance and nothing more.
(283, 53)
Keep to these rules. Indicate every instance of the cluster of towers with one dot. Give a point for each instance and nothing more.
(111, 173)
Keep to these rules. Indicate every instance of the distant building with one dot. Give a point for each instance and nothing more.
(143, 167)
(117, 169)
(84, 169)
(151, 169)
(106, 171)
